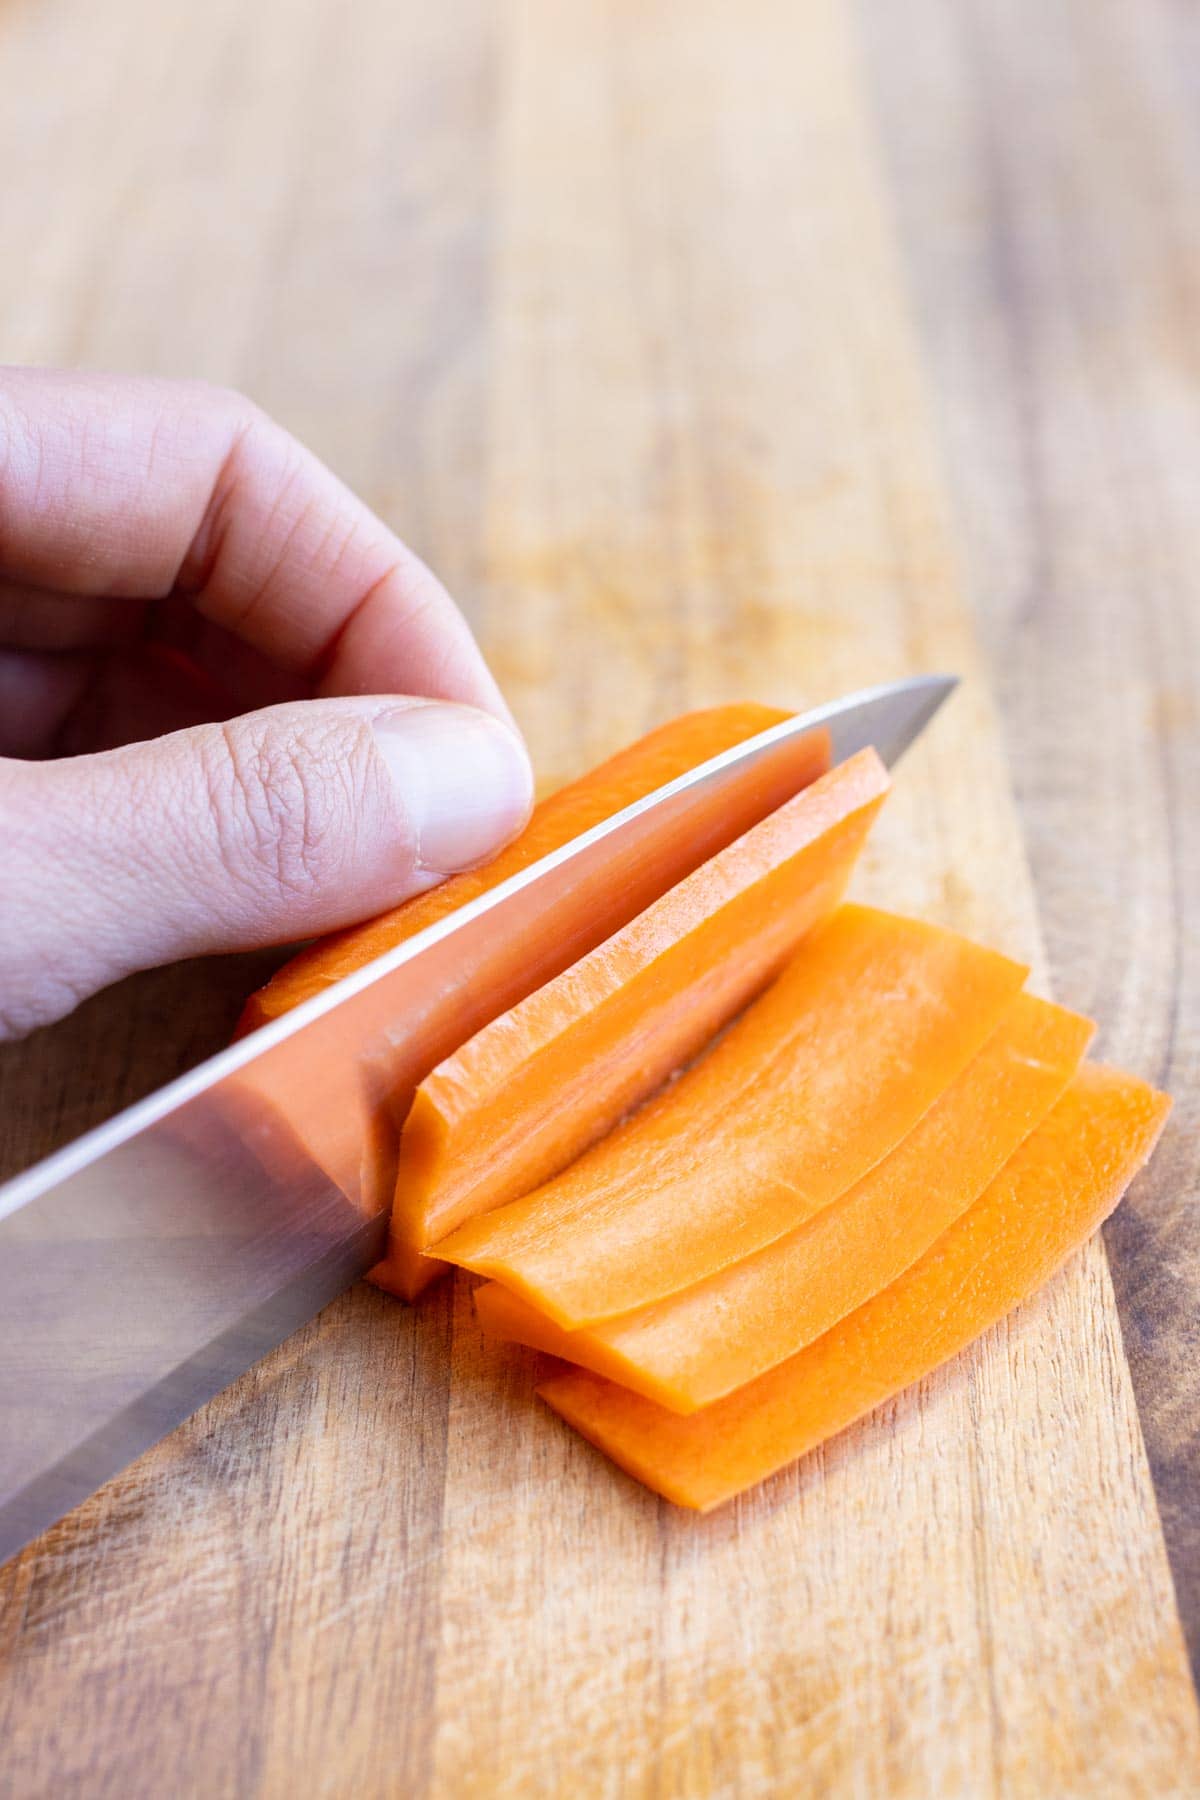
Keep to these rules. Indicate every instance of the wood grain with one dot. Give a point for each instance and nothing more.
(1062, 332)
(603, 305)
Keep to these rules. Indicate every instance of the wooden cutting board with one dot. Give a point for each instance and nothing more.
(601, 304)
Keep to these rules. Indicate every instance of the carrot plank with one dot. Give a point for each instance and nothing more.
(655, 759)
(700, 1345)
(868, 1024)
(523, 1097)
(1052, 1195)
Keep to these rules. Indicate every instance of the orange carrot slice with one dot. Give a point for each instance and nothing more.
(524, 1096)
(1055, 1191)
(870, 1021)
(650, 763)
(700, 1345)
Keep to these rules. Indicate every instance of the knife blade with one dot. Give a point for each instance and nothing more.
(145, 1266)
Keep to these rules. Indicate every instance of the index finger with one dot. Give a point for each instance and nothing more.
(119, 486)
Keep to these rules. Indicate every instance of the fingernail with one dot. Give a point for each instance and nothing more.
(463, 777)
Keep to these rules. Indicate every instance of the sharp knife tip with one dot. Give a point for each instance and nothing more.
(921, 697)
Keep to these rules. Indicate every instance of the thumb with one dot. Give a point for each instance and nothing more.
(271, 827)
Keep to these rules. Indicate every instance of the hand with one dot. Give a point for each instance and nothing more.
(169, 560)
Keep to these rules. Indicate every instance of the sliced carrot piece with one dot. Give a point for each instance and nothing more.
(700, 1345)
(870, 1021)
(1052, 1195)
(523, 1097)
(654, 760)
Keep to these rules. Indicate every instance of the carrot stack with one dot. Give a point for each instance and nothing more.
(891, 1145)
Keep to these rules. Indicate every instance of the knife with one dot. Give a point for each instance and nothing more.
(146, 1265)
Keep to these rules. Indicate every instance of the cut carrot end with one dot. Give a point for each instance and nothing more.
(406, 1273)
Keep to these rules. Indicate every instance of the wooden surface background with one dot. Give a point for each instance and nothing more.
(708, 351)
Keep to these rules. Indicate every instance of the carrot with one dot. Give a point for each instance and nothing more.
(653, 760)
(348, 1122)
(870, 1021)
(634, 875)
(1054, 1192)
(349, 1128)
(700, 1345)
(531, 1090)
